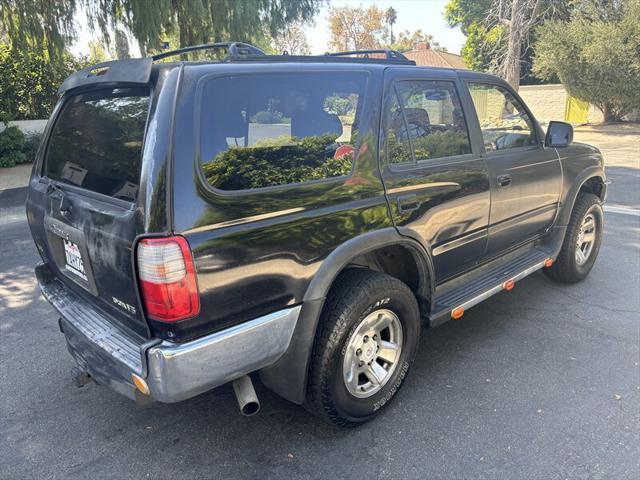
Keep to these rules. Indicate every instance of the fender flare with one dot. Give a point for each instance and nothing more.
(570, 199)
(288, 376)
(367, 242)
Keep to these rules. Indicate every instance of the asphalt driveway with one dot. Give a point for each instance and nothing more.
(540, 382)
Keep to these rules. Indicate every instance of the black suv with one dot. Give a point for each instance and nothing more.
(298, 217)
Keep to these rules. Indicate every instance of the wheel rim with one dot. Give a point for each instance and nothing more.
(373, 353)
(586, 238)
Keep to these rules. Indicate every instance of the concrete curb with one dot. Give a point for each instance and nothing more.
(13, 197)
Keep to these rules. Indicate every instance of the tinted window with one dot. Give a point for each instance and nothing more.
(425, 117)
(503, 121)
(276, 129)
(96, 142)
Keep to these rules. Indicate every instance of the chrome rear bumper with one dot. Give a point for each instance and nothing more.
(180, 371)
(173, 371)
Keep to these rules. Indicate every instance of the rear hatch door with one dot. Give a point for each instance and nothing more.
(87, 217)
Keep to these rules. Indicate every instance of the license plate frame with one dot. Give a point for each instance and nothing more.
(69, 251)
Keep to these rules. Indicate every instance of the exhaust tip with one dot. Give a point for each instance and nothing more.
(246, 396)
(250, 409)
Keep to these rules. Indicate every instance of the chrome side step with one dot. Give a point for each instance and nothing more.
(452, 305)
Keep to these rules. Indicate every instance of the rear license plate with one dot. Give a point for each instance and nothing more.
(73, 259)
(68, 248)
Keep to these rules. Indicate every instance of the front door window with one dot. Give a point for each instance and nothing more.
(503, 120)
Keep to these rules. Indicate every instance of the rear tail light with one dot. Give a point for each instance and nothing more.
(167, 279)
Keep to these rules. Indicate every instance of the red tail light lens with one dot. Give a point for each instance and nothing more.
(167, 279)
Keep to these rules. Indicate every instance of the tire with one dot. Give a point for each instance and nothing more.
(359, 303)
(570, 266)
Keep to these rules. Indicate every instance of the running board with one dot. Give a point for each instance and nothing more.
(453, 303)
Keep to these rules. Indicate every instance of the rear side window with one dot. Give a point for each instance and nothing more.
(424, 120)
(278, 129)
(96, 142)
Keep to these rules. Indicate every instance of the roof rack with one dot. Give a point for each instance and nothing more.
(242, 52)
(389, 54)
(235, 49)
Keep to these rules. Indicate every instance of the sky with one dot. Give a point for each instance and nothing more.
(427, 15)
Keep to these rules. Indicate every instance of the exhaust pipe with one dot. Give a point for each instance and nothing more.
(80, 377)
(246, 395)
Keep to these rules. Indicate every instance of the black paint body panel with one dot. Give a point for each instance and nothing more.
(263, 250)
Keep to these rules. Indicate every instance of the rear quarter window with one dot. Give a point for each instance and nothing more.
(96, 142)
(264, 130)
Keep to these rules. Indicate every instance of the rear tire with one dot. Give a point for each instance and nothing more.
(581, 242)
(366, 341)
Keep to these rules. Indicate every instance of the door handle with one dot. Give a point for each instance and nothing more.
(504, 180)
(408, 203)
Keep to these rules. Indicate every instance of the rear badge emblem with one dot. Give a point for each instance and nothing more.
(125, 306)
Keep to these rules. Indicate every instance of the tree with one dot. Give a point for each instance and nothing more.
(391, 16)
(519, 18)
(38, 25)
(408, 40)
(49, 24)
(121, 44)
(596, 55)
(483, 40)
(201, 21)
(29, 81)
(500, 32)
(356, 28)
(481, 45)
(97, 52)
(293, 40)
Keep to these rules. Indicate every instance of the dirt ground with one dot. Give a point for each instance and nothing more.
(620, 145)
(619, 142)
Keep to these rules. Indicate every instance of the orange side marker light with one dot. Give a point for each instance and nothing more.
(457, 313)
(548, 262)
(140, 384)
(508, 285)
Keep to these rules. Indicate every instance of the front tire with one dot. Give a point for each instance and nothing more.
(366, 342)
(582, 241)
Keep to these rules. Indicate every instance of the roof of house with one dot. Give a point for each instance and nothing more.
(425, 56)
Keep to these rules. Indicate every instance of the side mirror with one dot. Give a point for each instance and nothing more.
(559, 134)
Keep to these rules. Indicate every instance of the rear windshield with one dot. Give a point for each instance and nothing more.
(96, 142)
(264, 130)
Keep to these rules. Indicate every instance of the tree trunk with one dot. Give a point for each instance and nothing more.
(511, 65)
(610, 113)
(606, 113)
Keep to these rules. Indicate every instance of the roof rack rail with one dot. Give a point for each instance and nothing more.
(235, 49)
(389, 54)
(239, 51)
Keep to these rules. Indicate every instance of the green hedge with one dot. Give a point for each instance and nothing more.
(29, 81)
(264, 165)
(16, 147)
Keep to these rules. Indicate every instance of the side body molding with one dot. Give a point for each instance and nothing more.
(288, 376)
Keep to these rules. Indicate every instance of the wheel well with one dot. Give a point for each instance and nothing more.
(402, 263)
(594, 185)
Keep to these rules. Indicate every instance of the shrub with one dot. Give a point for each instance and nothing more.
(12, 143)
(31, 145)
(302, 160)
(596, 55)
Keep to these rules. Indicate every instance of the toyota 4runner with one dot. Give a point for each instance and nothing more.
(297, 217)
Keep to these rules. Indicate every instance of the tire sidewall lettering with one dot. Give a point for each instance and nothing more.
(393, 390)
